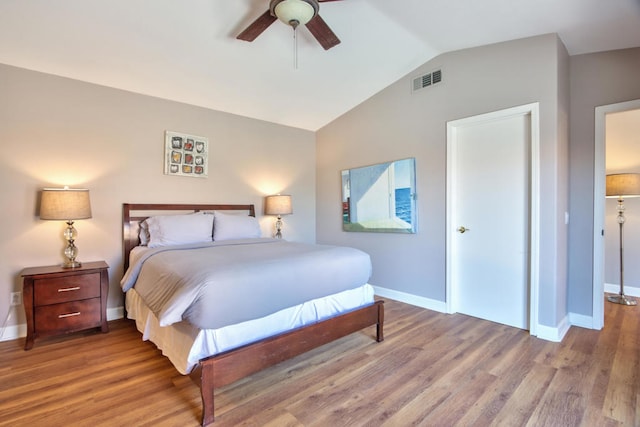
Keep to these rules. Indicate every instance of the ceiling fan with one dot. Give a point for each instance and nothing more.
(294, 13)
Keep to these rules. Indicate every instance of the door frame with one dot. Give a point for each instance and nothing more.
(599, 180)
(533, 111)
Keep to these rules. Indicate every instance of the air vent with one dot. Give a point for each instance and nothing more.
(436, 76)
(427, 80)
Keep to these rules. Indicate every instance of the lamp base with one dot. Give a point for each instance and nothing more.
(622, 299)
(278, 234)
(71, 264)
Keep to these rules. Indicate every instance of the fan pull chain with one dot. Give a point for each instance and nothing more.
(294, 24)
(295, 48)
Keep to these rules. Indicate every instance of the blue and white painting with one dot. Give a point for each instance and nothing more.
(380, 198)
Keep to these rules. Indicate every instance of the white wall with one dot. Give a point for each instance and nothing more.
(56, 131)
(396, 124)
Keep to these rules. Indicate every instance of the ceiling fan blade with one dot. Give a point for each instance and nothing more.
(257, 27)
(322, 33)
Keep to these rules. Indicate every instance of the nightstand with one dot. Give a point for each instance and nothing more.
(62, 300)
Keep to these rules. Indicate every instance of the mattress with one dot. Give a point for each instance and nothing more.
(215, 284)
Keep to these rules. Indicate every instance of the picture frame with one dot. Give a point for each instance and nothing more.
(186, 155)
(380, 198)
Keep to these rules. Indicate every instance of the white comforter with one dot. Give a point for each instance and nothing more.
(216, 284)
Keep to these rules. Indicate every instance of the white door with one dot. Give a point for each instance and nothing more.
(489, 217)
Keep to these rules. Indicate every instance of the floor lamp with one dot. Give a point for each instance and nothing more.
(621, 186)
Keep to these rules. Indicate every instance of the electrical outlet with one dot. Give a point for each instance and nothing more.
(16, 298)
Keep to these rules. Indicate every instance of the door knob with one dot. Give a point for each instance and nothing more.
(462, 229)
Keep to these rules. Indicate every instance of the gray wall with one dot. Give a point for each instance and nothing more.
(396, 124)
(596, 79)
(56, 131)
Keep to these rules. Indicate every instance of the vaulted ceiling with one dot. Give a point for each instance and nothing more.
(186, 50)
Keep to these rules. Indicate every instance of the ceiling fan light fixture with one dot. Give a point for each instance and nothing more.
(294, 12)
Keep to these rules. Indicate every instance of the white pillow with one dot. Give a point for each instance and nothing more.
(143, 233)
(235, 226)
(167, 230)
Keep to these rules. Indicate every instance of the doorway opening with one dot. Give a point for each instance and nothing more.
(599, 174)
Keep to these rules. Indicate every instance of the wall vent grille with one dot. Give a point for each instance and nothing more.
(427, 80)
(436, 76)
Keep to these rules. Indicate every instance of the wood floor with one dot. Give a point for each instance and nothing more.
(432, 370)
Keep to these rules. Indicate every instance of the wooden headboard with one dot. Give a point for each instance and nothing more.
(134, 213)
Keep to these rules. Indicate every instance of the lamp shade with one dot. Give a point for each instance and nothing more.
(294, 11)
(65, 204)
(623, 185)
(278, 205)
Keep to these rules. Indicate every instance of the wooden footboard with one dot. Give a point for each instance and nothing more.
(230, 366)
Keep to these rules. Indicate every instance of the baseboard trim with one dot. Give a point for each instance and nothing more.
(554, 333)
(418, 301)
(581, 320)
(613, 288)
(14, 332)
(115, 313)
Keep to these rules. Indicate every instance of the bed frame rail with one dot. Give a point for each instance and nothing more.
(223, 368)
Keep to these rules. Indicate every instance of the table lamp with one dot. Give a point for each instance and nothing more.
(66, 204)
(278, 205)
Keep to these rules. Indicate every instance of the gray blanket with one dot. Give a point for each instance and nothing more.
(221, 283)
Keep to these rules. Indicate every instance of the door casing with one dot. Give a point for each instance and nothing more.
(599, 173)
(531, 110)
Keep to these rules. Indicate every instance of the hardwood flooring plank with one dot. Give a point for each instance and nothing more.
(432, 369)
(457, 369)
(453, 410)
(523, 402)
(564, 401)
(288, 381)
(623, 387)
(485, 410)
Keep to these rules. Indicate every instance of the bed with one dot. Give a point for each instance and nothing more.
(244, 351)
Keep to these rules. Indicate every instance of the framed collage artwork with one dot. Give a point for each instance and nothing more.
(186, 155)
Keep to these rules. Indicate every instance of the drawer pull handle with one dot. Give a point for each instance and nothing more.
(62, 316)
(75, 288)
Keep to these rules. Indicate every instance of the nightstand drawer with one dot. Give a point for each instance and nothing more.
(68, 316)
(68, 288)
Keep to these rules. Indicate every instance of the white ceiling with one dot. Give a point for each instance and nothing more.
(185, 50)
